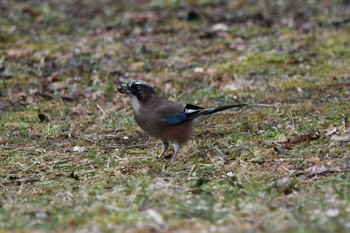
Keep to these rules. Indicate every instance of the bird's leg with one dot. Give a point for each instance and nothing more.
(165, 147)
(176, 150)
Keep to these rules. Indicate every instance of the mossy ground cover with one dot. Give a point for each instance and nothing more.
(72, 158)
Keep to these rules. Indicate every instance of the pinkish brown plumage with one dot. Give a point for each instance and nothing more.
(165, 119)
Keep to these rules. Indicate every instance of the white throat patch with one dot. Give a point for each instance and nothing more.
(135, 103)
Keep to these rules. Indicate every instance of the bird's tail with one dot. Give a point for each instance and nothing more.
(209, 111)
(198, 114)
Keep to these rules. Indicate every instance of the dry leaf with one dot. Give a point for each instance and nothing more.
(317, 170)
(219, 27)
(303, 138)
(19, 53)
(238, 84)
(54, 77)
(239, 45)
(75, 93)
(20, 98)
(155, 216)
(33, 132)
(79, 109)
(17, 97)
(281, 151)
(331, 131)
(343, 138)
(57, 86)
(97, 94)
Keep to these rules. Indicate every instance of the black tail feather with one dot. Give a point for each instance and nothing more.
(222, 108)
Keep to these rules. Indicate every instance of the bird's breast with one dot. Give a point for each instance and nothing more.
(148, 122)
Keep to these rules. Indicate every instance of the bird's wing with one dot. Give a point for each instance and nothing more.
(175, 113)
(197, 114)
(188, 112)
(166, 108)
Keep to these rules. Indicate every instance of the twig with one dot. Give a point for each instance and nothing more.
(108, 162)
(192, 168)
(287, 169)
(99, 107)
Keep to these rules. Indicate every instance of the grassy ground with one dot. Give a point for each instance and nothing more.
(72, 158)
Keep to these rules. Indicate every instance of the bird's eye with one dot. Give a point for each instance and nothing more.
(138, 87)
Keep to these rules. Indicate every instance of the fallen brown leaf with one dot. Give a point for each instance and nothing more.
(17, 97)
(97, 94)
(54, 77)
(22, 98)
(33, 132)
(19, 53)
(75, 93)
(303, 138)
(343, 138)
(331, 131)
(57, 86)
(79, 109)
(318, 170)
(281, 151)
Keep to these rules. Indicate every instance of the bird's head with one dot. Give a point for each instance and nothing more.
(137, 88)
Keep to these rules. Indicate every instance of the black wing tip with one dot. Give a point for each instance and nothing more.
(194, 107)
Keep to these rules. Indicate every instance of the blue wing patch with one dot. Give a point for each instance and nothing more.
(189, 111)
(173, 120)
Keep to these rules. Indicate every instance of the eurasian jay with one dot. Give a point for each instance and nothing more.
(165, 119)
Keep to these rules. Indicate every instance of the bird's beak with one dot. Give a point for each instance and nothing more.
(124, 89)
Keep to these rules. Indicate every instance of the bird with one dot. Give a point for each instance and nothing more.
(163, 119)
